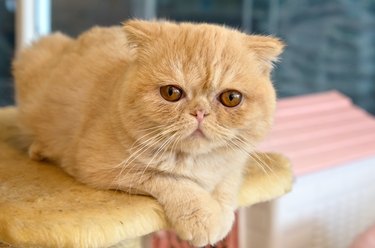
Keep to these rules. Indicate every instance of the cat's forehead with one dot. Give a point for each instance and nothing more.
(205, 75)
(205, 42)
(207, 59)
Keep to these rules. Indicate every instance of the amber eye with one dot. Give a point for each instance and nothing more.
(171, 93)
(230, 98)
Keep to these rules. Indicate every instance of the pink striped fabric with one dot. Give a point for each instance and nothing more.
(320, 131)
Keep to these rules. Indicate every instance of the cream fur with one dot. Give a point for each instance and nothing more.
(41, 206)
(93, 106)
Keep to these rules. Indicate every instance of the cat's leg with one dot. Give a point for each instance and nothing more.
(226, 193)
(191, 211)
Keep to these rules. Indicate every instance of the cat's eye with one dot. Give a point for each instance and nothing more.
(171, 93)
(230, 98)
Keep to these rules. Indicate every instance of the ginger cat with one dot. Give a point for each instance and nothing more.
(170, 110)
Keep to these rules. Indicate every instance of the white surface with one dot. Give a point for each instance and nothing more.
(325, 209)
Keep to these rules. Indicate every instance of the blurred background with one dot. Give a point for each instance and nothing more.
(331, 43)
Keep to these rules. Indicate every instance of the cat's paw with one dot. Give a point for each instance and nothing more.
(203, 222)
(35, 152)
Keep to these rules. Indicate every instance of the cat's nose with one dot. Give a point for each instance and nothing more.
(199, 115)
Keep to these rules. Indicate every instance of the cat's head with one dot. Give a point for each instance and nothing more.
(198, 87)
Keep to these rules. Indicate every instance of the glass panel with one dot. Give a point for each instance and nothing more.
(72, 16)
(226, 12)
(330, 46)
(7, 43)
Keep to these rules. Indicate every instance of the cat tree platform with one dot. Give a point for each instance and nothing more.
(41, 206)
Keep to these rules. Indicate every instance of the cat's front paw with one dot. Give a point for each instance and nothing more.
(202, 222)
(35, 152)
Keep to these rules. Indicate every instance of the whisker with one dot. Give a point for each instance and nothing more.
(128, 161)
(247, 153)
(144, 146)
(161, 148)
(149, 142)
(174, 145)
(255, 156)
(140, 138)
(260, 160)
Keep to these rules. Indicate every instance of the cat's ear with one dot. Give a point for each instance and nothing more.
(139, 32)
(266, 48)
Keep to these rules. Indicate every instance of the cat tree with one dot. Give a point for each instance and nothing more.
(41, 206)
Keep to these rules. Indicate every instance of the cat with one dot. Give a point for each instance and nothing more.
(169, 110)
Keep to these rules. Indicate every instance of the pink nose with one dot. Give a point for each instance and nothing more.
(199, 114)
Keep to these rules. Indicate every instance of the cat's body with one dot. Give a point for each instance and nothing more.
(95, 106)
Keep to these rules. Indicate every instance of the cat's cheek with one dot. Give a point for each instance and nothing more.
(232, 118)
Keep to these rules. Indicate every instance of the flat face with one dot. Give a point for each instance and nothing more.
(202, 86)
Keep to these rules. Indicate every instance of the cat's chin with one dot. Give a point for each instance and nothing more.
(198, 133)
(195, 150)
(196, 143)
